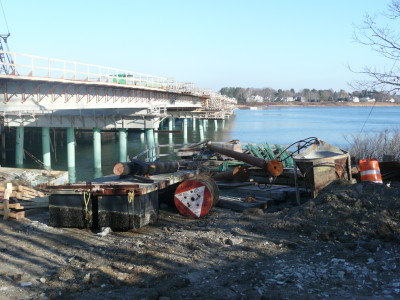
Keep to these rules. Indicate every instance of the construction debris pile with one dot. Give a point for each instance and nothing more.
(347, 213)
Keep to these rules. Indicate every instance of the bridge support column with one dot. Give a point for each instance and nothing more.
(97, 150)
(170, 124)
(216, 125)
(223, 123)
(201, 130)
(156, 138)
(46, 147)
(71, 154)
(173, 123)
(194, 123)
(123, 142)
(151, 144)
(185, 127)
(170, 127)
(19, 146)
(71, 147)
(142, 136)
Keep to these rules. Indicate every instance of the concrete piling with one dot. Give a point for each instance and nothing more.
(151, 143)
(201, 130)
(71, 147)
(19, 146)
(97, 149)
(123, 142)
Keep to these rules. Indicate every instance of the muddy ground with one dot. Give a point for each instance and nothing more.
(344, 244)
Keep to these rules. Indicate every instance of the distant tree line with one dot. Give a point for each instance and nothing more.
(306, 95)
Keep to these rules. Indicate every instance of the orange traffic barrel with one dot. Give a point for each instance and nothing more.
(369, 170)
(195, 197)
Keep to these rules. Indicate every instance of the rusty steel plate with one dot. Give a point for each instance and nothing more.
(193, 198)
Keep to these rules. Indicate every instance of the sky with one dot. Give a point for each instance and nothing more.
(214, 43)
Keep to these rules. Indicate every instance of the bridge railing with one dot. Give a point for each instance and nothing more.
(44, 67)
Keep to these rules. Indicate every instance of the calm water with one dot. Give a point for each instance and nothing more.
(272, 125)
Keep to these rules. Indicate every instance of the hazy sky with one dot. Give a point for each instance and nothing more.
(279, 44)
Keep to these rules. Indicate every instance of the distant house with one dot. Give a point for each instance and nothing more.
(367, 99)
(255, 98)
(301, 99)
(355, 99)
(288, 99)
(391, 100)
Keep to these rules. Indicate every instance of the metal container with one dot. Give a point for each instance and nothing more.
(322, 163)
(127, 212)
(80, 209)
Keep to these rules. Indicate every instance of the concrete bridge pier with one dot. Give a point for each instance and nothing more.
(123, 142)
(170, 128)
(46, 148)
(151, 143)
(185, 130)
(71, 154)
(194, 123)
(97, 151)
(71, 147)
(170, 124)
(142, 136)
(156, 138)
(19, 146)
(216, 125)
(201, 130)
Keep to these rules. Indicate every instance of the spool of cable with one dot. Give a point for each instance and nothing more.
(195, 197)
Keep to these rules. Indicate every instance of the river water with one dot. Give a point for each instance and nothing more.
(278, 125)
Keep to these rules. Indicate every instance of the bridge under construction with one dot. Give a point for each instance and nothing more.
(52, 93)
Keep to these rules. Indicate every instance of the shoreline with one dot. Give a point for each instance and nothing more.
(320, 104)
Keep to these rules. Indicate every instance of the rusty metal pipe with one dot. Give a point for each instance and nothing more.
(238, 174)
(273, 167)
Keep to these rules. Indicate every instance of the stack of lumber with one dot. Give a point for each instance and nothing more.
(16, 199)
(25, 193)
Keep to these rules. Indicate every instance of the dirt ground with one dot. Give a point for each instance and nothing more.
(343, 244)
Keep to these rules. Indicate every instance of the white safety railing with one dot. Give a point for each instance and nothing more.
(26, 65)
(43, 67)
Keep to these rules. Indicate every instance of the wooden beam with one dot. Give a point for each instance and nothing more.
(6, 203)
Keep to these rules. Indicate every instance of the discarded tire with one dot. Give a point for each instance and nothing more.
(195, 197)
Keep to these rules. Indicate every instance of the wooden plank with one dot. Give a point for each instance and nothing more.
(14, 187)
(31, 204)
(6, 204)
(14, 215)
(23, 189)
(44, 199)
(12, 205)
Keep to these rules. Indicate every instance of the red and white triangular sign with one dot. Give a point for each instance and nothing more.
(192, 199)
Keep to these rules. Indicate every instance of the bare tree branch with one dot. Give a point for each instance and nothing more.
(386, 42)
